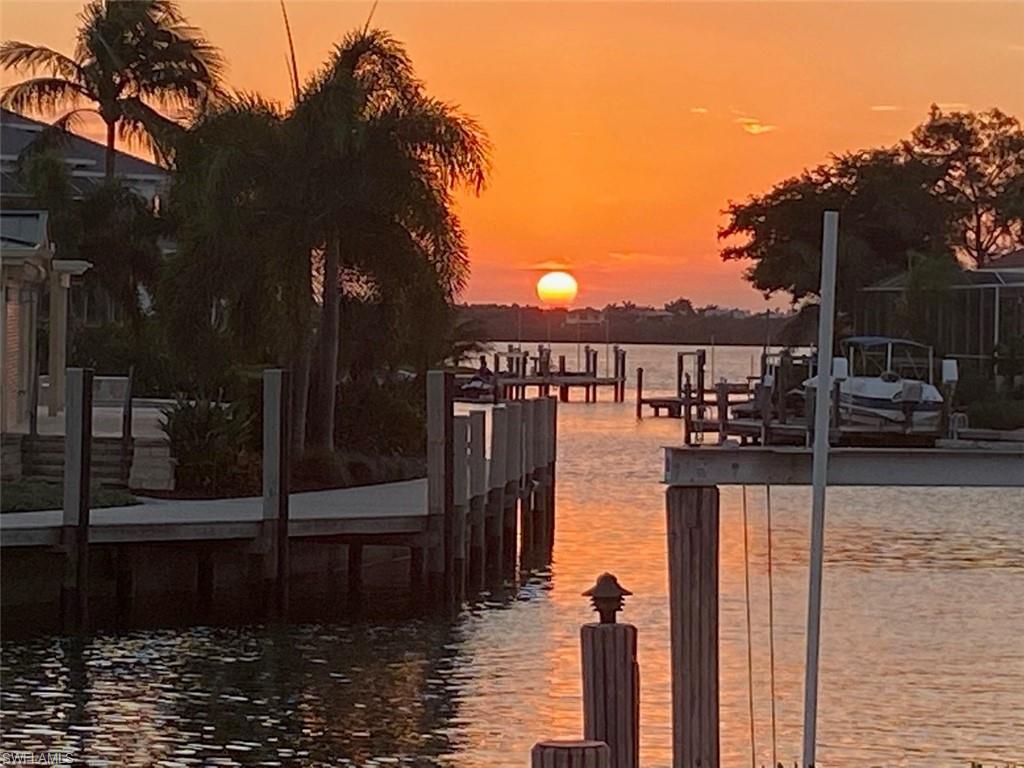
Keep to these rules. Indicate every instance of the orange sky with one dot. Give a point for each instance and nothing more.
(622, 129)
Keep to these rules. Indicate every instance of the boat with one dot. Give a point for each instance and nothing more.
(889, 383)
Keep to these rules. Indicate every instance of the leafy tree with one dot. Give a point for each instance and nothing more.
(119, 237)
(887, 212)
(132, 59)
(980, 164)
(680, 306)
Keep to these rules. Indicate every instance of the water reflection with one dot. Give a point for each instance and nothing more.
(922, 655)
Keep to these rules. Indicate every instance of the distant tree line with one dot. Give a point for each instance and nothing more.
(621, 324)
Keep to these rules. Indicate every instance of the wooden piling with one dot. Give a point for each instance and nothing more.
(552, 455)
(355, 573)
(541, 501)
(611, 690)
(440, 386)
(693, 605)
(460, 508)
(477, 498)
(639, 393)
(722, 410)
(75, 519)
(496, 492)
(276, 445)
(526, 508)
(570, 754)
(513, 477)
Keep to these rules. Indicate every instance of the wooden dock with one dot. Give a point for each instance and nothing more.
(488, 479)
(693, 475)
(518, 371)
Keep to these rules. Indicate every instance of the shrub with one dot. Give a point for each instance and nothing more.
(996, 414)
(382, 417)
(113, 348)
(213, 444)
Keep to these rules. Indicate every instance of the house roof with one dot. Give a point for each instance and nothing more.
(1012, 260)
(968, 279)
(86, 157)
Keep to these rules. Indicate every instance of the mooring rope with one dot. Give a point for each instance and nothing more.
(750, 642)
(771, 617)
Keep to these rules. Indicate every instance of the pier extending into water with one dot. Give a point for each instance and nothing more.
(485, 509)
(517, 371)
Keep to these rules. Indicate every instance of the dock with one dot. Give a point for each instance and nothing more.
(485, 510)
(518, 371)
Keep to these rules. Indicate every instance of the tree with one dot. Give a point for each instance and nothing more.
(980, 163)
(381, 181)
(287, 215)
(682, 307)
(887, 212)
(119, 237)
(132, 59)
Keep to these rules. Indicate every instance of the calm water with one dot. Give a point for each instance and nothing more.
(922, 655)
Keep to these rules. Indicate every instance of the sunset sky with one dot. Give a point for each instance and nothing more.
(622, 129)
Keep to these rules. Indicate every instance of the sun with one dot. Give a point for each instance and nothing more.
(557, 289)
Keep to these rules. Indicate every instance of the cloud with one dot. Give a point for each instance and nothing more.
(953, 105)
(699, 110)
(885, 108)
(548, 266)
(1016, 48)
(754, 126)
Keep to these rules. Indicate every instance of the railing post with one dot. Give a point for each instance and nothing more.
(611, 676)
(74, 593)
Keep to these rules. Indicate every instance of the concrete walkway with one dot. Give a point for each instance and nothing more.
(388, 508)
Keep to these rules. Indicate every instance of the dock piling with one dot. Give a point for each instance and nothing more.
(276, 444)
(693, 606)
(75, 519)
(460, 507)
(611, 676)
(494, 523)
(440, 386)
(513, 478)
(478, 498)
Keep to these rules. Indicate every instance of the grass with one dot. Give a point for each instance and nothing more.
(31, 495)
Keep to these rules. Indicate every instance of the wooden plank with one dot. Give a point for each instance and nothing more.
(611, 690)
(785, 465)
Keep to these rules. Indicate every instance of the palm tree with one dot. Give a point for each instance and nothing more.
(355, 181)
(380, 185)
(132, 59)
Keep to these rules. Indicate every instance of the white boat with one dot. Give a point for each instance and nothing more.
(890, 382)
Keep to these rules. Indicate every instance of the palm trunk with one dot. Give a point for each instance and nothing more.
(111, 152)
(323, 410)
(300, 396)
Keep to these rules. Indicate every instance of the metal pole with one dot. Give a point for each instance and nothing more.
(819, 476)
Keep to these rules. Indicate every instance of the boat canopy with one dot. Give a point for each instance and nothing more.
(880, 341)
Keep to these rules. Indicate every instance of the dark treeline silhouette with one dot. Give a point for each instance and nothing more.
(502, 322)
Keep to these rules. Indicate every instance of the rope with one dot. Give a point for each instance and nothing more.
(771, 616)
(750, 643)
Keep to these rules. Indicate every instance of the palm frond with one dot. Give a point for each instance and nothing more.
(43, 94)
(34, 58)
